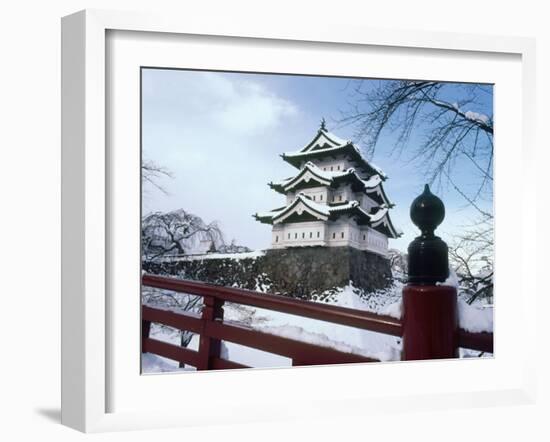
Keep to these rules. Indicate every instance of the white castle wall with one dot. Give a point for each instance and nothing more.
(338, 164)
(299, 234)
(377, 242)
(318, 194)
(342, 194)
(344, 232)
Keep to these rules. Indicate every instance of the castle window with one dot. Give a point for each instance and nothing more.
(303, 235)
(320, 197)
(289, 236)
(340, 198)
(324, 168)
(311, 234)
(338, 167)
(342, 234)
(364, 237)
(334, 235)
(295, 236)
(277, 238)
(313, 197)
(331, 168)
(318, 234)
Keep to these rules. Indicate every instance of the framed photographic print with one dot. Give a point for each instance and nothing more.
(245, 210)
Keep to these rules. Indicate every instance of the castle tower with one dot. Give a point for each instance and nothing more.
(336, 199)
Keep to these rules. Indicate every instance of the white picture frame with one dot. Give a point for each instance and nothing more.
(86, 214)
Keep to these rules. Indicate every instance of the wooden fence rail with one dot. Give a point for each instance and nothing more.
(212, 327)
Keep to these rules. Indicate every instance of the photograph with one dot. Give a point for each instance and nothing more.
(253, 220)
(298, 220)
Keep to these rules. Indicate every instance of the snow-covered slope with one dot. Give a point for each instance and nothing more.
(474, 318)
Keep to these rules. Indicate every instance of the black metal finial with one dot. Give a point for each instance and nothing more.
(427, 212)
(323, 124)
(428, 254)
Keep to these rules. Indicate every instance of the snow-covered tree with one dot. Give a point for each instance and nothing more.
(398, 263)
(233, 248)
(471, 255)
(176, 233)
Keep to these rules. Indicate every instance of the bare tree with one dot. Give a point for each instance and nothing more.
(471, 254)
(152, 173)
(398, 263)
(175, 233)
(449, 129)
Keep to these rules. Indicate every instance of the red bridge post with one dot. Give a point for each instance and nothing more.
(430, 319)
(145, 331)
(209, 347)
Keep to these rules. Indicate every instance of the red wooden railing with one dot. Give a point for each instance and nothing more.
(212, 327)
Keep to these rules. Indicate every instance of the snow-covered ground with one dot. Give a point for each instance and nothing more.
(205, 256)
(473, 318)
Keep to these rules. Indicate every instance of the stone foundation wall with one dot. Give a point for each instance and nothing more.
(306, 273)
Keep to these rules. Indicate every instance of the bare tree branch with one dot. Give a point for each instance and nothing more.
(151, 173)
(423, 108)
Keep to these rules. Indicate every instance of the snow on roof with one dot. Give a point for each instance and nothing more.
(320, 208)
(370, 163)
(381, 213)
(300, 153)
(346, 206)
(377, 169)
(335, 138)
(382, 217)
(274, 214)
(283, 182)
(270, 213)
(323, 174)
(372, 182)
(329, 176)
(311, 168)
(325, 137)
(334, 145)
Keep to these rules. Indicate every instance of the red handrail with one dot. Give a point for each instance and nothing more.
(476, 341)
(212, 329)
(330, 313)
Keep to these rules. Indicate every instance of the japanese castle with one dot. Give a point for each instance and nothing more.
(337, 198)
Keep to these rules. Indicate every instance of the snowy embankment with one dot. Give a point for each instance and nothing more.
(474, 318)
(208, 256)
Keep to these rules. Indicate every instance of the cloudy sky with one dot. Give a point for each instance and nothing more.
(221, 134)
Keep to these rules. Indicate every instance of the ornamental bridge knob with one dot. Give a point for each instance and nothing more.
(428, 255)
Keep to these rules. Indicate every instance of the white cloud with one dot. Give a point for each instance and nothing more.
(237, 104)
(252, 108)
(219, 136)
